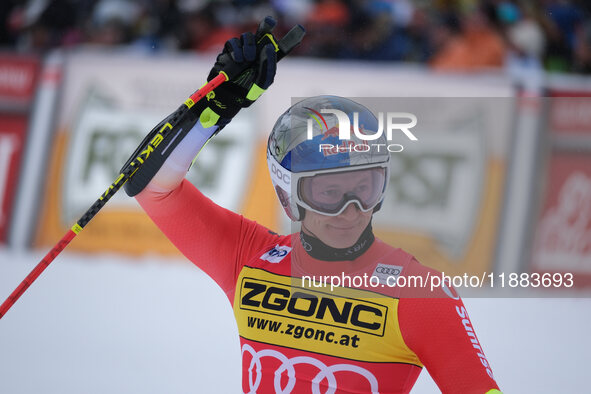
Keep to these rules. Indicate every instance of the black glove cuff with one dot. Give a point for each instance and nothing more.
(227, 100)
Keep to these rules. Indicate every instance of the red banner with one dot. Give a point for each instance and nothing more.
(18, 81)
(563, 238)
(570, 112)
(12, 135)
(18, 78)
(562, 242)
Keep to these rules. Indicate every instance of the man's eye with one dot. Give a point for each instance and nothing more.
(361, 188)
(330, 193)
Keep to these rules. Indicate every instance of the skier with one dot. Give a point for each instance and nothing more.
(297, 337)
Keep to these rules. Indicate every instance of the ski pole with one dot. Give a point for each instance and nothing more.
(125, 174)
(285, 45)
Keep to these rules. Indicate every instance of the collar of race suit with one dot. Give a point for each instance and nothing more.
(321, 251)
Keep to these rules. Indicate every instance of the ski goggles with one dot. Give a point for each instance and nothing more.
(330, 193)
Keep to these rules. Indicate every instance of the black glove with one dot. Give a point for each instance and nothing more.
(249, 63)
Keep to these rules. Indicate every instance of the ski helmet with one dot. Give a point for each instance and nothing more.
(306, 155)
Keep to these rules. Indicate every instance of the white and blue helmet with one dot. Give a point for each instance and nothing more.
(305, 149)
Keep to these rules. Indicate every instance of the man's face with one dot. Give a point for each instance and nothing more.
(343, 230)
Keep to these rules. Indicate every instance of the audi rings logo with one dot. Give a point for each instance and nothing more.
(385, 271)
(388, 270)
(288, 365)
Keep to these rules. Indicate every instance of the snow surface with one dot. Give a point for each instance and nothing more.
(112, 324)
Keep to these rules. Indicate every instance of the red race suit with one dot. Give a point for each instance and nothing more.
(297, 337)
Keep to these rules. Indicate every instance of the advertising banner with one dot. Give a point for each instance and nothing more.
(12, 138)
(446, 189)
(18, 78)
(562, 240)
(108, 105)
(445, 192)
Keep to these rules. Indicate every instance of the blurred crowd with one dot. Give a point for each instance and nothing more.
(461, 35)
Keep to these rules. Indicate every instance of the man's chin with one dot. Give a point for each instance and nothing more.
(343, 240)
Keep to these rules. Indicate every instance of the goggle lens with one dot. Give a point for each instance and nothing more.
(329, 193)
